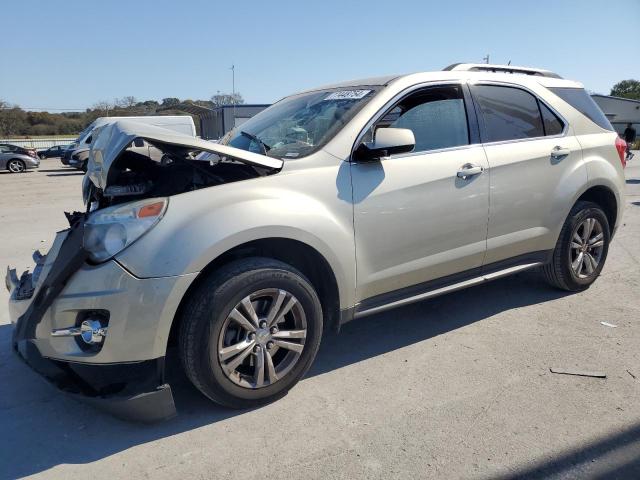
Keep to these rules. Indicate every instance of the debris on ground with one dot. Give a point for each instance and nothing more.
(632, 375)
(607, 324)
(579, 373)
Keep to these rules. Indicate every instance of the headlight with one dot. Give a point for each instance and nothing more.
(109, 231)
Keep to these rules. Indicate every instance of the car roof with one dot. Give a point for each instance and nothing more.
(462, 71)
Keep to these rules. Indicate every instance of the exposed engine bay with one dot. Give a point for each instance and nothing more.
(135, 176)
(131, 162)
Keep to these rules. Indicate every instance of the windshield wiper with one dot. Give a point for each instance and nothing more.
(264, 146)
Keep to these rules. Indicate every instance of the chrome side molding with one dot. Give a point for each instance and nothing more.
(449, 288)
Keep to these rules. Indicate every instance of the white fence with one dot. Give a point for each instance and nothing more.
(38, 142)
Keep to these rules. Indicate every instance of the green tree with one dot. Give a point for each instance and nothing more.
(627, 89)
(227, 99)
(167, 102)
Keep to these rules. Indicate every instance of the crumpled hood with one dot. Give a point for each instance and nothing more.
(110, 140)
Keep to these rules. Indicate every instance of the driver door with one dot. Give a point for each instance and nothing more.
(416, 219)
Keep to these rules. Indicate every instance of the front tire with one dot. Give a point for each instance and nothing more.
(250, 331)
(581, 250)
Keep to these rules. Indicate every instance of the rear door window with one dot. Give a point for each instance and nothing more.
(508, 113)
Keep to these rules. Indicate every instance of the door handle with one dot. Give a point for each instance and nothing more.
(469, 170)
(559, 152)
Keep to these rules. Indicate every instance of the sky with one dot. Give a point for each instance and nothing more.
(69, 55)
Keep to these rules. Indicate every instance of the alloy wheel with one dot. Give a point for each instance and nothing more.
(262, 338)
(16, 166)
(587, 245)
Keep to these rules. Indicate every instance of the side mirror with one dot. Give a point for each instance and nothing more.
(387, 141)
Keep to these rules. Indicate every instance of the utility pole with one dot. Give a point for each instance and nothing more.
(486, 59)
(233, 91)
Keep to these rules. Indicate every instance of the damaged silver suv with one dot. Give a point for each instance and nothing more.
(332, 204)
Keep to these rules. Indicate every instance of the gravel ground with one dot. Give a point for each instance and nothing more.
(455, 387)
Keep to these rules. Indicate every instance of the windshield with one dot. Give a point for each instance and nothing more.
(299, 125)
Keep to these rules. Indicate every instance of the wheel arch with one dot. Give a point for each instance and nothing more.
(605, 198)
(302, 256)
(16, 160)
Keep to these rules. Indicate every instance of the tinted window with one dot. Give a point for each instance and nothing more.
(436, 116)
(508, 113)
(582, 101)
(552, 124)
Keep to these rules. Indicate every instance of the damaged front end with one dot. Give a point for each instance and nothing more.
(130, 161)
(77, 295)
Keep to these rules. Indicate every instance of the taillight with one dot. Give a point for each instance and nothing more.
(621, 146)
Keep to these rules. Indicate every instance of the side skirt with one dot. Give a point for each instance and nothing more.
(441, 286)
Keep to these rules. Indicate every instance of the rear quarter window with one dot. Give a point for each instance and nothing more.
(579, 99)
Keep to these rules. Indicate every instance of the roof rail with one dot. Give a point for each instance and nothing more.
(485, 67)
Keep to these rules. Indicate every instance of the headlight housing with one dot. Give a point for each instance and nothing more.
(109, 231)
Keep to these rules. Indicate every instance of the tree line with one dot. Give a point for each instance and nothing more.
(16, 122)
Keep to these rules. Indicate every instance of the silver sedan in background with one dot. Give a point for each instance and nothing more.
(16, 162)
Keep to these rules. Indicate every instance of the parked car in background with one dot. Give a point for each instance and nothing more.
(52, 152)
(332, 204)
(21, 150)
(65, 155)
(77, 155)
(15, 159)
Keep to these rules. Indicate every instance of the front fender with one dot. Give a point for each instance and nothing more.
(200, 226)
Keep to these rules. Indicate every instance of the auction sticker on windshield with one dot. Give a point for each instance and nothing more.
(348, 95)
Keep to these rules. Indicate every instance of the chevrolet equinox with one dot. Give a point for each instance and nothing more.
(332, 204)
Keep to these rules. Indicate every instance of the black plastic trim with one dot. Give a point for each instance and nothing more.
(543, 256)
(130, 391)
(70, 258)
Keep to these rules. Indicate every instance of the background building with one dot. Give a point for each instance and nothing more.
(620, 111)
(214, 122)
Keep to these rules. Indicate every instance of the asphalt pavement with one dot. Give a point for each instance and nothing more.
(455, 387)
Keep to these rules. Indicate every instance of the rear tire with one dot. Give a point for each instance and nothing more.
(581, 250)
(16, 166)
(272, 352)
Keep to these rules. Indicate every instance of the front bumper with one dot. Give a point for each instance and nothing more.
(130, 391)
(126, 374)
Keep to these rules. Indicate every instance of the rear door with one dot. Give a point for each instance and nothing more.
(534, 162)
